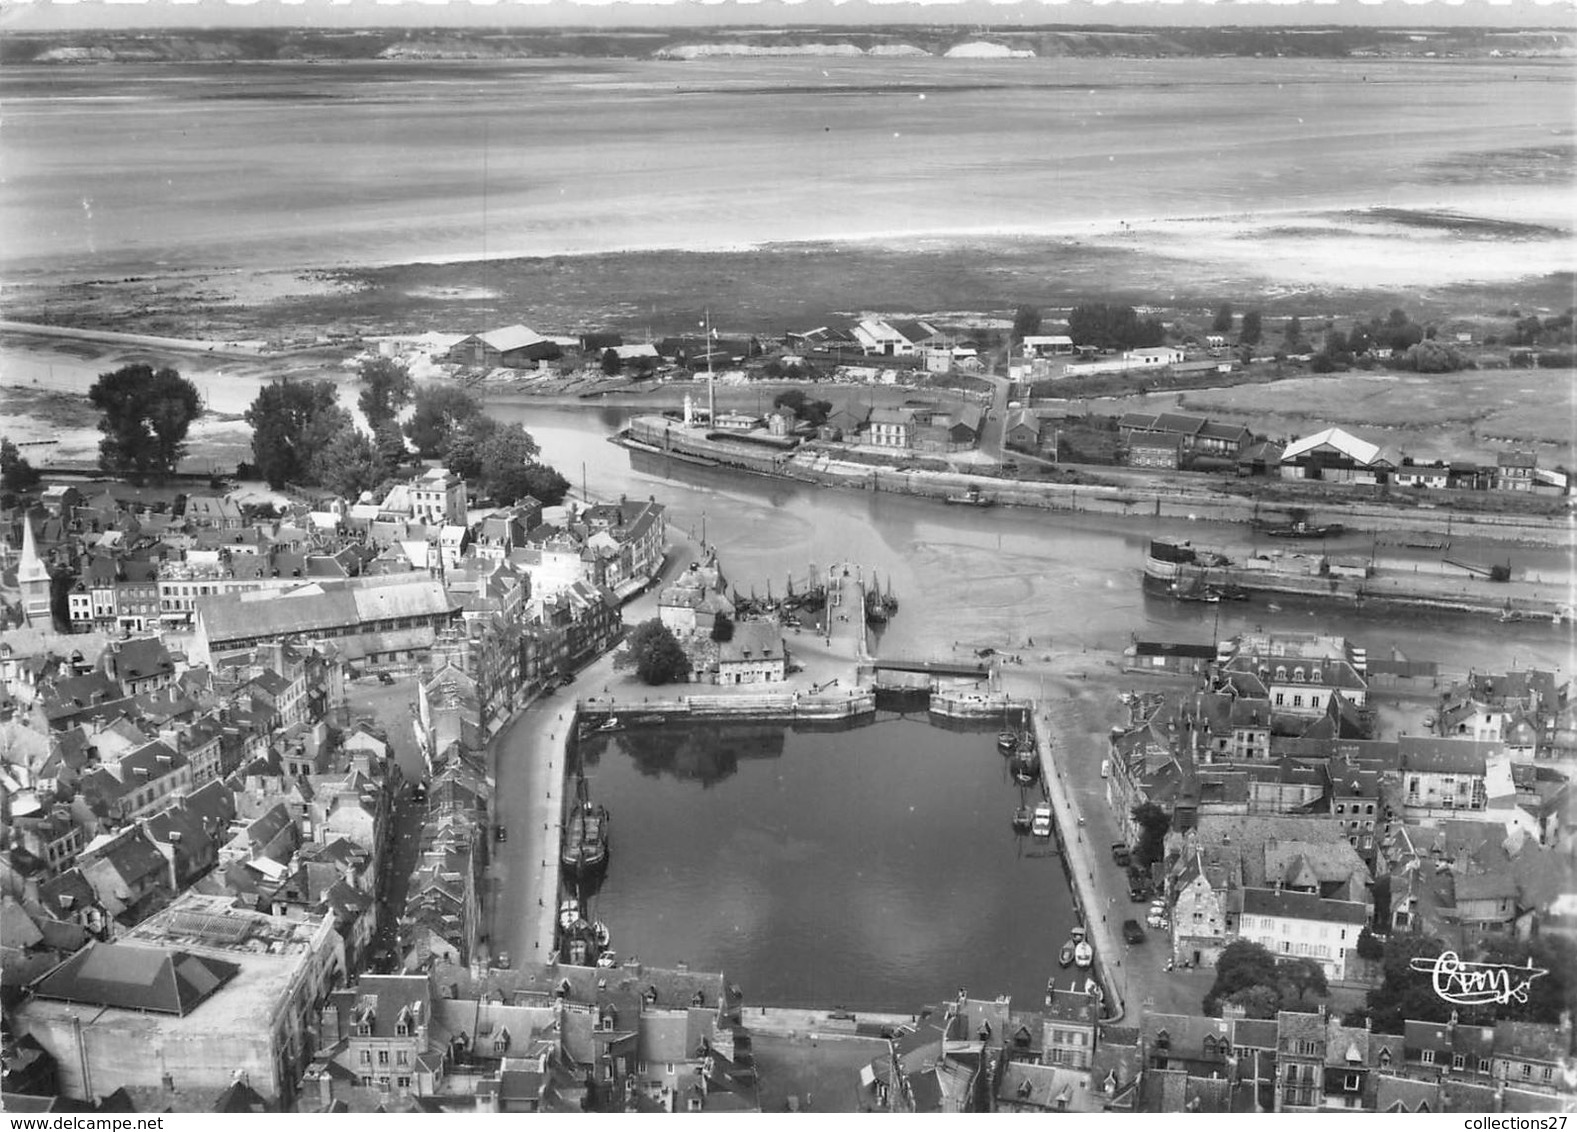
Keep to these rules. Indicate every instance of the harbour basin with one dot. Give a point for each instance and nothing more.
(872, 866)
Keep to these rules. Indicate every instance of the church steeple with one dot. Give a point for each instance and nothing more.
(33, 579)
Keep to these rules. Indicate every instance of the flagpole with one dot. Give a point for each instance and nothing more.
(711, 379)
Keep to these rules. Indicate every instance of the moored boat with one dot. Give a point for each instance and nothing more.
(971, 498)
(1083, 953)
(1025, 764)
(585, 834)
(1301, 529)
(1040, 824)
(1169, 561)
(1023, 818)
(1065, 956)
(612, 723)
(1007, 741)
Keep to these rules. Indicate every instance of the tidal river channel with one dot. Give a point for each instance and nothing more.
(875, 866)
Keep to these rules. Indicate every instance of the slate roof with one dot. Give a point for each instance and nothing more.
(1185, 1033)
(1429, 755)
(1254, 1033)
(1302, 906)
(1531, 1041)
(136, 978)
(384, 1000)
(752, 641)
(142, 658)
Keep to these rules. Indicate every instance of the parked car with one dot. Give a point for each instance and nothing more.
(385, 678)
(1132, 932)
(501, 960)
(1120, 853)
(501, 834)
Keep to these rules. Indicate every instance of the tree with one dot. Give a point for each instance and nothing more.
(462, 452)
(347, 464)
(1293, 332)
(291, 421)
(722, 628)
(1223, 322)
(1404, 993)
(545, 485)
(611, 364)
(505, 456)
(1369, 946)
(439, 410)
(1432, 357)
(1240, 966)
(1026, 322)
(813, 413)
(1257, 1001)
(1250, 332)
(387, 388)
(1249, 975)
(16, 474)
(390, 443)
(659, 659)
(1297, 977)
(1153, 823)
(1113, 327)
(145, 415)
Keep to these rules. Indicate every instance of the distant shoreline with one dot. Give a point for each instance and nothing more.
(904, 41)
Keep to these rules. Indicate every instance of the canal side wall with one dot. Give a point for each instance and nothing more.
(975, 705)
(768, 706)
(1201, 502)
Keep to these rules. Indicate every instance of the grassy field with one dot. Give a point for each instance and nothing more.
(1469, 415)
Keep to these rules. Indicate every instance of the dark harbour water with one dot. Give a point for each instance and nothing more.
(872, 866)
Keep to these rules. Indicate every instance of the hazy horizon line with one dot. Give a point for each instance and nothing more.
(612, 15)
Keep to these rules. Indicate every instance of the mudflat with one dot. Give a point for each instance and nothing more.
(566, 193)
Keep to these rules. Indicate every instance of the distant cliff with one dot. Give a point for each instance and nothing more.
(287, 44)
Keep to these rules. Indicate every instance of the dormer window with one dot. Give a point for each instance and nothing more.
(1163, 1041)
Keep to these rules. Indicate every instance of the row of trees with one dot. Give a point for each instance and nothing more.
(302, 435)
(1252, 977)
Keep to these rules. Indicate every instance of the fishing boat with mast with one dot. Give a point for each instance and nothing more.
(1025, 763)
(1023, 817)
(585, 834)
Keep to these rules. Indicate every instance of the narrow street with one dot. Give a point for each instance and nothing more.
(403, 848)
